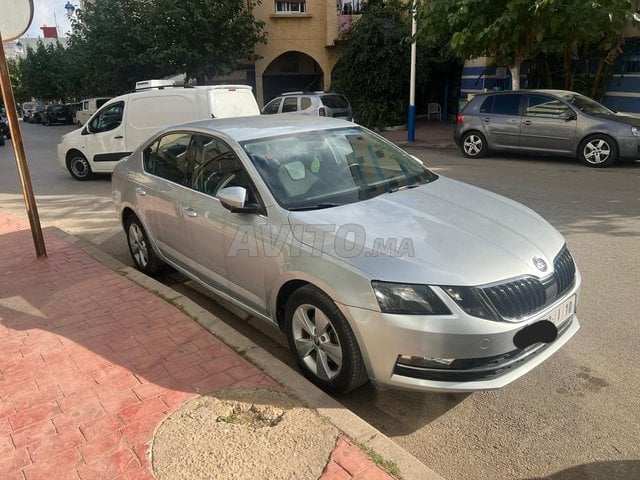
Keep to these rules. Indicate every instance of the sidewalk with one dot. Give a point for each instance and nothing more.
(91, 363)
(427, 134)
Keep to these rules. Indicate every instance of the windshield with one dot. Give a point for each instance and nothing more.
(584, 104)
(327, 168)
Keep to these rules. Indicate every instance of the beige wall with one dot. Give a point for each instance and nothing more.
(312, 33)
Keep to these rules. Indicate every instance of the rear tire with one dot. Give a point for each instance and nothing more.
(473, 145)
(144, 257)
(78, 166)
(598, 151)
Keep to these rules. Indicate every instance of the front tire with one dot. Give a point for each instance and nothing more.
(78, 166)
(473, 145)
(144, 257)
(598, 151)
(322, 342)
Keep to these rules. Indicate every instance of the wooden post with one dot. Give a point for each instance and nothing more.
(21, 159)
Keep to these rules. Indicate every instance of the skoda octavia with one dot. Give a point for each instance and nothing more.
(375, 267)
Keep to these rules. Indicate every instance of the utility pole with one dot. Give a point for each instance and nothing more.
(21, 159)
(411, 124)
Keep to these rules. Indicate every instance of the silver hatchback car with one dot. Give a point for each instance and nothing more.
(374, 266)
(554, 122)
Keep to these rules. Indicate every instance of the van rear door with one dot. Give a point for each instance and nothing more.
(232, 101)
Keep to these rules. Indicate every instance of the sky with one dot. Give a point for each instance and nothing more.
(49, 13)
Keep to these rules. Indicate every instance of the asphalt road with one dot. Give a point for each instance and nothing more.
(574, 417)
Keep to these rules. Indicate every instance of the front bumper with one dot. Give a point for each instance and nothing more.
(629, 147)
(485, 353)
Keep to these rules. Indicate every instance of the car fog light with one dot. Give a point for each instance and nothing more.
(425, 362)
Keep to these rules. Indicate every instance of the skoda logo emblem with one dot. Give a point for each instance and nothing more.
(540, 264)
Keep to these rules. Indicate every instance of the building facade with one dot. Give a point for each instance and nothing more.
(300, 52)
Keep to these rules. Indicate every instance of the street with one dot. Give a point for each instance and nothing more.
(574, 417)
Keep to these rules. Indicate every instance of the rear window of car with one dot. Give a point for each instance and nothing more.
(334, 101)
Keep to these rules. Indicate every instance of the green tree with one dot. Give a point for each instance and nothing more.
(513, 31)
(17, 82)
(577, 32)
(204, 38)
(373, 69)
(115, 43)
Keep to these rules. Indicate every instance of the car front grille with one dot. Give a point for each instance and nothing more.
(525, 296)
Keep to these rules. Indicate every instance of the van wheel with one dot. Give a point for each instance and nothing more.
(473, 145)
(78, 166)
(598, 151)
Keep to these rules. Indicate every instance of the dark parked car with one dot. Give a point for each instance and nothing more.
(38, 114)
(57, 114)
(4, 129)
(554, 122)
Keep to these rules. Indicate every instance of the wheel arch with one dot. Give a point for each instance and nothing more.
(284, 293)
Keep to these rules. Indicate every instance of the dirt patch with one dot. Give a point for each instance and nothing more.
(243, 434)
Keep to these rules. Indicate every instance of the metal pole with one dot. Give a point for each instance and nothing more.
(411, 124)
(21, 159)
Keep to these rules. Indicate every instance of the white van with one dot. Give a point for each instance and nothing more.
(126, 121)
(88, 107)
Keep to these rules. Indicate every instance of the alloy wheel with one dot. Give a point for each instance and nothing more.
(317, 342)
(138, 244)
(597, 151)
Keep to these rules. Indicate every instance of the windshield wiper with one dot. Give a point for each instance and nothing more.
(316, 206)
(404, 187)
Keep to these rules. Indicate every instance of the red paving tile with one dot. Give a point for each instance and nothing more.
(91, 364)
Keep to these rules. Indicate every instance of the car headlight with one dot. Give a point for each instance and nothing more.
(635, 131)
(470, 300)
(408, 299)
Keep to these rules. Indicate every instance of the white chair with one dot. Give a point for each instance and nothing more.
(434, 109)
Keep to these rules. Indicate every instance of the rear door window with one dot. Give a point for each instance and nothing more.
(290, 104)
(305, 102)
(506, 104)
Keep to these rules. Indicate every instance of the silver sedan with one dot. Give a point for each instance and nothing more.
(375, 267)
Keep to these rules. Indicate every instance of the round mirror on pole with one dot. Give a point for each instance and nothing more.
(15, 19)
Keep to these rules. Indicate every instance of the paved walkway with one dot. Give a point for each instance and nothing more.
(427, 134)
(91, 363)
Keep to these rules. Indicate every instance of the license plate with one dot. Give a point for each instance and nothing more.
(559, 314)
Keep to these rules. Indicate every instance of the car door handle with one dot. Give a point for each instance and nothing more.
(140, 191)
(118, 136)
(527, 122)
(486, 120)
(189, 212)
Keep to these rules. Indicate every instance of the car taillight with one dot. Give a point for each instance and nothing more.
(460, 119)
(322, 112)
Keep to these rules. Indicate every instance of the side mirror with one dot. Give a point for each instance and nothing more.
(234, 199)
(570, 116)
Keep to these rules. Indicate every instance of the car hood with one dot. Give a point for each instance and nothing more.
(626, 118)
(445, 233)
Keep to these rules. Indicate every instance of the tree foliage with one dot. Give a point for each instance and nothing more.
(513, 31)
(374, 66)
(115, 43)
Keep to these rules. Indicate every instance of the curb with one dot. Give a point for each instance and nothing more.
(357, 429)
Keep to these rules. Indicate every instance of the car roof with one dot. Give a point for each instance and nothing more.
(262, 126)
